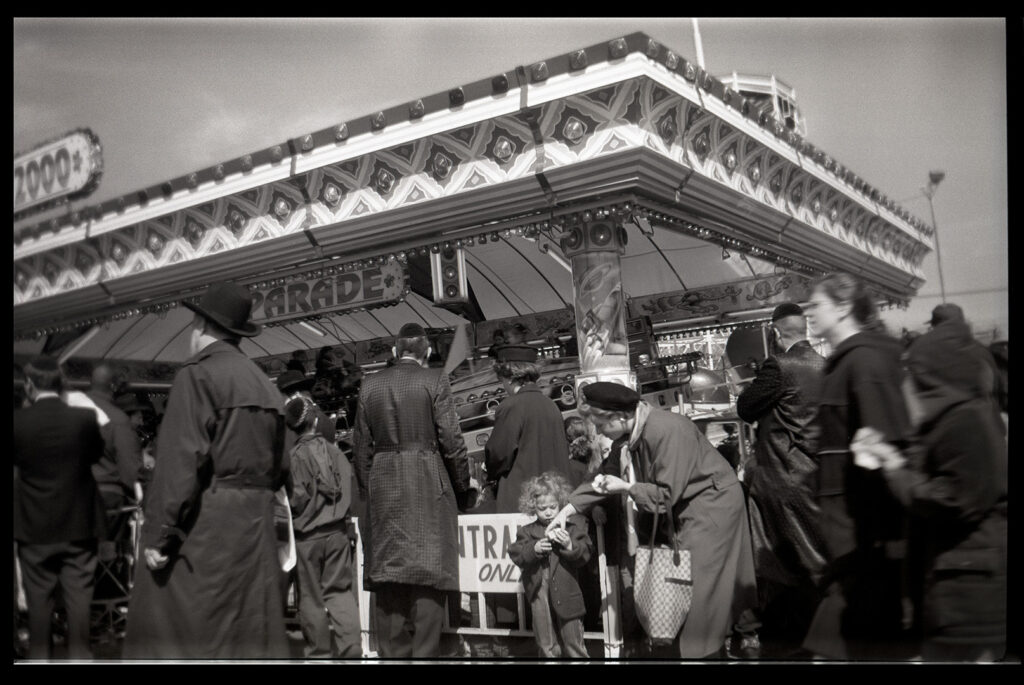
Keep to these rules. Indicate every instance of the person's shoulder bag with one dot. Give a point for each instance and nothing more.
(662, 585)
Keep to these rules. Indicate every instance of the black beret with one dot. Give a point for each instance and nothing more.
(516, 353)
(411, 330)
(294, 380)
(786, 309)
(610, 396)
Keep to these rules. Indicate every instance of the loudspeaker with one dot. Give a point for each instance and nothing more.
(448, 273)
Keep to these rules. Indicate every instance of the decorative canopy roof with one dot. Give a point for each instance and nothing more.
(626, 127)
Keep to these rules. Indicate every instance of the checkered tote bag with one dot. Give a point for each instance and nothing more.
(662, 586)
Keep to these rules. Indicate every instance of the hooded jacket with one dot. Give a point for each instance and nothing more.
(955, 487)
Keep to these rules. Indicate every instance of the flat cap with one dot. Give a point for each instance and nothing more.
(516, 353)
(787, 309)
(411, 330)
(610, 396)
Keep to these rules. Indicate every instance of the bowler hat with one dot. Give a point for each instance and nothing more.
(228, 305)
(411, 330)
(292, 380)
(786, 309)
(610, 396)
(946, 311)
(516, 353)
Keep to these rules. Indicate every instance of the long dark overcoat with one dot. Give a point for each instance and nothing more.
(211, 509)
(410, 462)
(675, 463)
(528, 439)
(784, 518)
(861, 614)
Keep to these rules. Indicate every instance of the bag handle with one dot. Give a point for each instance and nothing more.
(672, 531)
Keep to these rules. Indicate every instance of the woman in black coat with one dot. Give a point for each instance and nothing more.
(860, 615)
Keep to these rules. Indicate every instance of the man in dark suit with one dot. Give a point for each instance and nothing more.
(788, 547)
(118, 470)
(57, 510)
(412, 468)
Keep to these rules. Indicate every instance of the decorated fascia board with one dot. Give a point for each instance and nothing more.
(266, 201)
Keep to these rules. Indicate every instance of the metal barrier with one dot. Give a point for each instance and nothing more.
(610, 635)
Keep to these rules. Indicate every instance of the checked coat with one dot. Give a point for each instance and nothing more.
(411, 464)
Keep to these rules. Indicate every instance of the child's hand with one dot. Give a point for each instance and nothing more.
(542, 547)
(561, 537)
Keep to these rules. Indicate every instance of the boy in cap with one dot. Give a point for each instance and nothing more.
(320, 497)
(211, 583)
(293, 383)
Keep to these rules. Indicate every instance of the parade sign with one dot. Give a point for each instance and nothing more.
(62, 169)
(307, 296)
(484, 564)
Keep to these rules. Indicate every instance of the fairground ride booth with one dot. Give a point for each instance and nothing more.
(626, 207)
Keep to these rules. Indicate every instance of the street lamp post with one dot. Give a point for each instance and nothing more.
(934, 179)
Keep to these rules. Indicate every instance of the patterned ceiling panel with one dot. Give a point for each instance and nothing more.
(637, 113)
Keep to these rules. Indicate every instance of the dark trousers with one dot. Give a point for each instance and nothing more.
(326, 601)
(408, 621)
(71, 566)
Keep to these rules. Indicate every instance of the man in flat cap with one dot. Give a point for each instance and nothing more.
(412, 469)
(661, 460)
(211, 583)
(783, 400)
(529, 433)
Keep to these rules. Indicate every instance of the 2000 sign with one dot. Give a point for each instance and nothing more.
(50, 168)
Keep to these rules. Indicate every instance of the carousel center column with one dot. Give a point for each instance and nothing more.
(593, 247)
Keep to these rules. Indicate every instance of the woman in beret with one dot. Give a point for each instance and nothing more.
(661, 457)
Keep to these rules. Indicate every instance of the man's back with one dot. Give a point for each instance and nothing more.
(55, 494)
(399, 405)
(410, 462)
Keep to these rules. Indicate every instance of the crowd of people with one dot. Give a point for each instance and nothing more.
(869, 523)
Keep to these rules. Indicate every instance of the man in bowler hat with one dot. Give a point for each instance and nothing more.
(210, 585)
(412, 469)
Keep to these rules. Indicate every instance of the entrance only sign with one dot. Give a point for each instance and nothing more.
(484, 564)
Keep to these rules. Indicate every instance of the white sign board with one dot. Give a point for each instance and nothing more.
(69, 166)
(484, 564)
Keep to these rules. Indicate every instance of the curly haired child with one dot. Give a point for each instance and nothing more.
(550, 563)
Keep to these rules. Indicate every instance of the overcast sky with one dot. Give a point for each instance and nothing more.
(890, 99)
